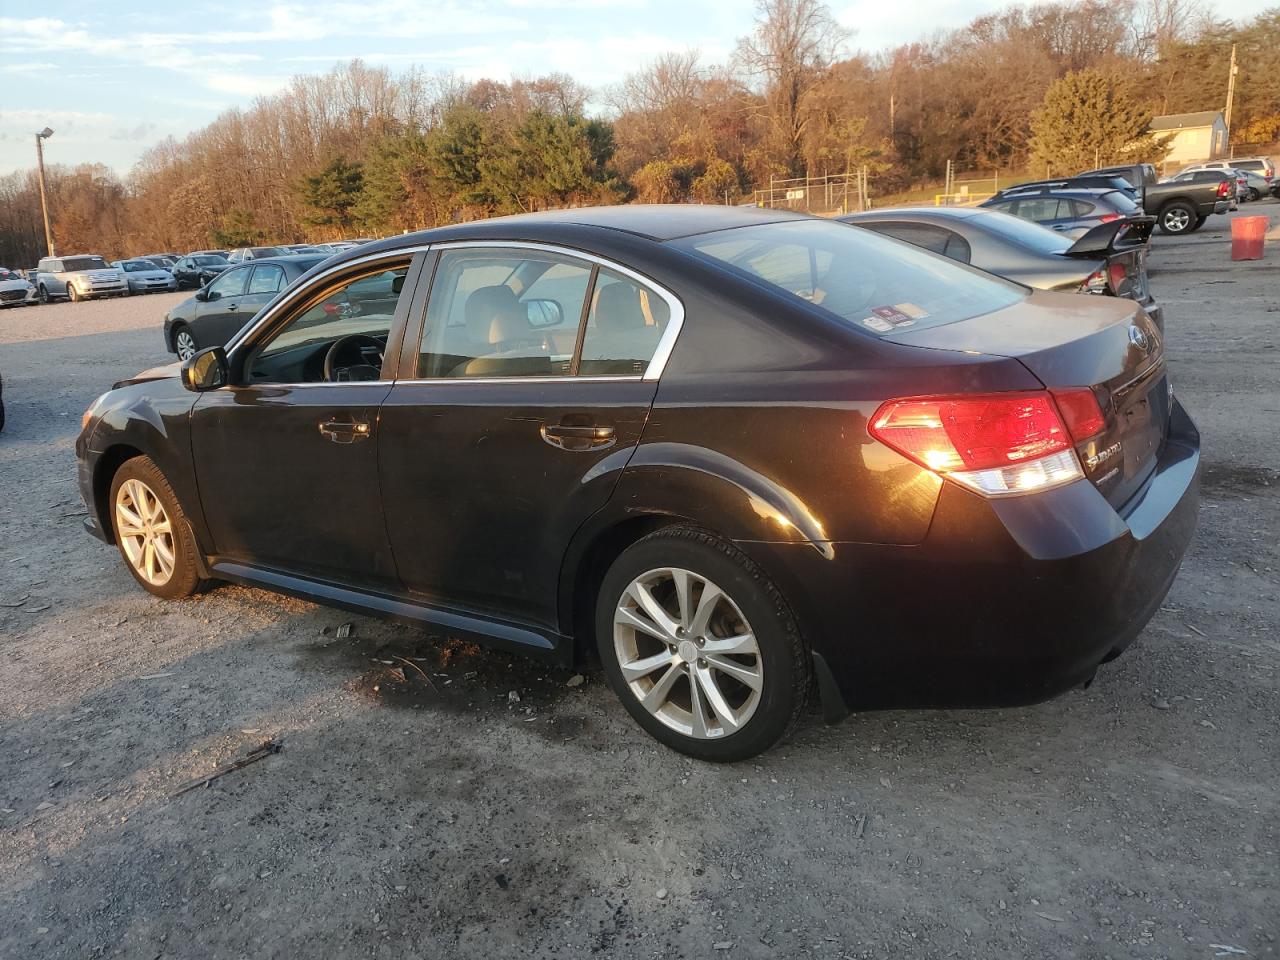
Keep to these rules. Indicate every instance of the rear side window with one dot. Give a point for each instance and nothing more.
(267, 278)
(1121, 202)
(933, 238)
(1250, 165)
(862, 279)
(1042, 208)
(1079, 208)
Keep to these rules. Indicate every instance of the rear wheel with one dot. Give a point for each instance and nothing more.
(700, 646)
(1200, 221)
(152, 532)
(1177, 218)
(1254, 194)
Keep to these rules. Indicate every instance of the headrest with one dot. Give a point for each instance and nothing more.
(397, 283)
(618, 308)
(494, 314)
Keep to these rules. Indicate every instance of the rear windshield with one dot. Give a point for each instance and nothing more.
(1249, 164)
(73, 264)
(872, 282)
(1120, 201)
(1023, 232)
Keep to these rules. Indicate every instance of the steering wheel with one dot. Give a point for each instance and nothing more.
(349, 355)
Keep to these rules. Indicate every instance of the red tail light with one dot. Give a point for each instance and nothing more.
(1225, 188)
(1080, 411)
(994, 444)
(1108, 217)
(1117, 277)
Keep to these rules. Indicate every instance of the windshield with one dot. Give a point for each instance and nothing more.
(267, 251)
(139, 266)
(867, 280)
(209, 261)
(74, 264)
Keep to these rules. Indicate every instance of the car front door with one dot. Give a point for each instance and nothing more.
(531, 381)
(218, 312)
(286, 456)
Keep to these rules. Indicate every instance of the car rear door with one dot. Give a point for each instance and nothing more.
(523, 397)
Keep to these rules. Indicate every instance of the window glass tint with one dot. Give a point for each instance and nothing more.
(858, 276)
(230, 284)
(73, 264)
(268, 278)
(1023, 232)
(1040, 209)
(1080, 208)
(495, 313)
(1250, 165)
(931, 237)
(362, 310)
(624, 325)
(1121, 202)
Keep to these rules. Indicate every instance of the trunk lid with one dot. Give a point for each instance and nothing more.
(1066, 340)
(1122, 247)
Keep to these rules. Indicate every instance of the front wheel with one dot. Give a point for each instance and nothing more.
(1177, 218)
(43, 294)
(73, 294)
(184, 343)
(700, 646)
(152, 532)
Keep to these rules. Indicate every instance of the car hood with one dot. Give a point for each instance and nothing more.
(169, 371)
(14, 283)
(151, 274)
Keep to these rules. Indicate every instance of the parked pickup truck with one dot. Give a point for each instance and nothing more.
(78, 278)
(1178, 207)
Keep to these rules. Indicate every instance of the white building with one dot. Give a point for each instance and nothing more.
(1195, 136)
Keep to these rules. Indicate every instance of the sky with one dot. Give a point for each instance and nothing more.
(114, 79)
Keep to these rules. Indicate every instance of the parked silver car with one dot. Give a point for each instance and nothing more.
(146, 276)
(78, 278)
(15, 289)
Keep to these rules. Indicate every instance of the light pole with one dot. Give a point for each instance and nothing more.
(42, 136)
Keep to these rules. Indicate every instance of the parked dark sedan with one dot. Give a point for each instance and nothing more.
(740, 453)
(197, 269)
(1110, 260)
(213, 315)
(1072, 212)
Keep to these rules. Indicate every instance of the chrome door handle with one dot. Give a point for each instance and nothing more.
(346, 431)
(578, 437)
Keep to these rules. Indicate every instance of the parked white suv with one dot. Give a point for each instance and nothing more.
(78, 278)
(1263, 166)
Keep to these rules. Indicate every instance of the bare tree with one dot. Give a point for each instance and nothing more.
(788, 52)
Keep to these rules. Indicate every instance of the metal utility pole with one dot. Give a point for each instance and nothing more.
(1231, 95)
(42, 136)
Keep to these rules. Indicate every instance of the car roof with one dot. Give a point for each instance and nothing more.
(939, 213)
(287, 258)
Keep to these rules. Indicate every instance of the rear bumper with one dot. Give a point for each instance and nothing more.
(1005, 602)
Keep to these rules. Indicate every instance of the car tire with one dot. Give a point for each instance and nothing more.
(162, 554)
(1177, 218)
(73, 294)
(1254, 194)
(42, 294)
(1200, 222)
(749, 693)
(183, 338)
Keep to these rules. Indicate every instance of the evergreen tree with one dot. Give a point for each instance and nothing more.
(1087, 119)
(332, 194)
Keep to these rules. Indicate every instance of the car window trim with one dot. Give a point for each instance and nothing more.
(661, 355)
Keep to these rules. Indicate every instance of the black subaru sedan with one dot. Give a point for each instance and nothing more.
(741, 455)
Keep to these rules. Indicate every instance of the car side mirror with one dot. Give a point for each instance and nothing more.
(206, 370)
(544, 313)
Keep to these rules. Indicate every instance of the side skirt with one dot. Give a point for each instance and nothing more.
(493, 633)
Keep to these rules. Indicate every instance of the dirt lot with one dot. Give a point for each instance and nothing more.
(402, 817)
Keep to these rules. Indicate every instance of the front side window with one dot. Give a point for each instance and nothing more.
(858, 277)
(503, 313)
(230, 284)
(267, 278)
(338, 338)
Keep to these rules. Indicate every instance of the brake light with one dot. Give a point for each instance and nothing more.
(1080, 412)
(995, 445)
(1224, 188)
(1108, 217)
(1117, 276)
(1096, 282)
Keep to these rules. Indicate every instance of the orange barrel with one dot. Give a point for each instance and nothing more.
(1247, 234)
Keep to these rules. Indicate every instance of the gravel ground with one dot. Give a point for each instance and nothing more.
(434, 799)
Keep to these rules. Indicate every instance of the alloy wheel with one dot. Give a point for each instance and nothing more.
(146, 533)
(687, 653)
(1177, 221)
(185, 344)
